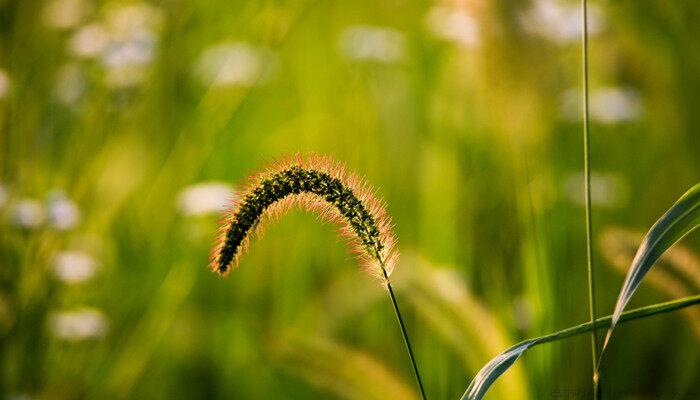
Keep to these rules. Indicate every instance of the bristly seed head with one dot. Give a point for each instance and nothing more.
(318, 185)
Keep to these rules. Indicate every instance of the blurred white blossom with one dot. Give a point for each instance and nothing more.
(65, 14)
(126, 60)
(559, 21)
(205, 198)
(80, 324)
(453, 24)
(74, 266)
(132, 43)
(28, 213)
(233, 64)
(71, 84)
(62, 212)
(607, 190)
(615, 105)
(4, 84)
(125, 40)
(607, 105)
(90, 41)
(372, 43)
(136, 49)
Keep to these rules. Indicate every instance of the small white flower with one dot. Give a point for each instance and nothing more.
(204, 198)
(559, 21)
(90, 41)
(607, 190)
(612, 105)
(74, 266)
(62, 212)
(78, 324)
(453, 24)
(608, 105)
(131, 45)
(137, 49)
(126, 60)
(233, 64)
(372, 43)
(28, 213)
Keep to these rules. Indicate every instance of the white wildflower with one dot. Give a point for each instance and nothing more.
(74, 266)
(233, 64)
(607, 190)
(205, 198)
(453, 24)
(90, 41)
(372, 43)
(77, 325)
(559, 21)
(28, 213)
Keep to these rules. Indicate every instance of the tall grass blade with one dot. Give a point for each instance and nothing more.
(681, 219)
(500, 364)
(587, 183)
(676, 274)
(494, 369)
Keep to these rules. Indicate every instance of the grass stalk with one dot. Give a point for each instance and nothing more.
(404, 334)
(320, 185)
(604, 322)
(587, 189)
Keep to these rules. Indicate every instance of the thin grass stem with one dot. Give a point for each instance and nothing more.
(587, 189)
(404, 334)
(604, 322)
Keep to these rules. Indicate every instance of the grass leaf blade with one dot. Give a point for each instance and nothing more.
(494, 369)
(500, 364)
(681, 219)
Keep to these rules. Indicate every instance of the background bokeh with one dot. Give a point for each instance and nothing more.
(125, 125)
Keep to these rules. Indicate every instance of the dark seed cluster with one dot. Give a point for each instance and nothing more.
(292, 181)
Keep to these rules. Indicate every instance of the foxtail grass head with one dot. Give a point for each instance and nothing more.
(316, 184)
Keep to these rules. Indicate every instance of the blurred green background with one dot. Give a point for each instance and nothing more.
(125, 125)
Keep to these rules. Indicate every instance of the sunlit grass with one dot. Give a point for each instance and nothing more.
(112, 114)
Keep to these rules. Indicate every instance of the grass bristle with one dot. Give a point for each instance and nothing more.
(316, 184)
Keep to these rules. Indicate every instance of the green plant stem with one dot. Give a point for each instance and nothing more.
(587, 189)
(404, 333)
(630, 315)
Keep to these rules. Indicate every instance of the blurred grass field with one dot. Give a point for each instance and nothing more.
(125, 125)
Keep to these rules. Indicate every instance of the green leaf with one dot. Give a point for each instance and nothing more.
(681, 219)
(494, 369)
(500, 364)
(676, 223)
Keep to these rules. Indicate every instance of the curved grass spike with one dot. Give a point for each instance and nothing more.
(317, 184)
